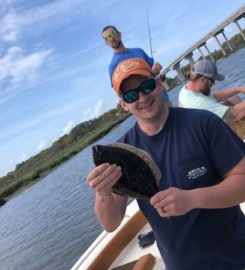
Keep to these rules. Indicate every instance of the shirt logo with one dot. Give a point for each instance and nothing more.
(197, 172)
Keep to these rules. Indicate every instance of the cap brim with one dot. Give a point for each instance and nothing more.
(133, 72)
(219, 77)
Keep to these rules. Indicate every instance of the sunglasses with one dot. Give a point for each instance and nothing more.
(212, 80)
(111, 35)
(145, 87)
(200, 75)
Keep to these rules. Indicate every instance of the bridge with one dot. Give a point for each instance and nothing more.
(188, 55)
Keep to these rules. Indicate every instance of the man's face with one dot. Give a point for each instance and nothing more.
(206, 86)
(147, 107)
(112, 38)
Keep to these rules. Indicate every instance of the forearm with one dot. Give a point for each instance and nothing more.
(222, 95)
(109, 212)
(228, 193)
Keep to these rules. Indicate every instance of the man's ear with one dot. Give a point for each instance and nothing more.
(123, 105)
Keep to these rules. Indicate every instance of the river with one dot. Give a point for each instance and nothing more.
(51, 224)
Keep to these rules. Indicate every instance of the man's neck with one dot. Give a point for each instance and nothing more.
(154, 126)
(192, 87)
(120, 49)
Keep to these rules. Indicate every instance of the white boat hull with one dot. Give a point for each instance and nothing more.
(95, 259)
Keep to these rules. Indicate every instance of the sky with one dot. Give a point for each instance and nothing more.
(54, 63)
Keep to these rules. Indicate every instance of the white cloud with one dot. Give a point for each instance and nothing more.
(16, 20)
(41, 145)
(24, 157)
(94, 112)
(11, 36)
(70, 124)
(9, 23)
(16, 66)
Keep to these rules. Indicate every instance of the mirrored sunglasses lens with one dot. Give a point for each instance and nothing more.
(130, 96)
(148, 86)
(110, 36)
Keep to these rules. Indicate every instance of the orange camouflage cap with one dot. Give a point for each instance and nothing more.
(126, 68)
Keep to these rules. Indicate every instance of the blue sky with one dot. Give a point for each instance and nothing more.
(53, 61)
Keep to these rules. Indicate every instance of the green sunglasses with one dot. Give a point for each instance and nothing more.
(111, 35)
(145, 87)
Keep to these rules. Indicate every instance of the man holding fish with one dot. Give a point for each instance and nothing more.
(196, 217)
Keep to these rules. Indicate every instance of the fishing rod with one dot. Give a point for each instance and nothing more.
(162, 76)
(149, 33)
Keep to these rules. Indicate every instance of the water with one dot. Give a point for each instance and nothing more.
(51, 224)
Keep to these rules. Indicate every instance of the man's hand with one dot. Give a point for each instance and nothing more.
(156, 68)
(235, 113)
(109, 207)
(240, 110)
(173, 202)
(241, 89)
(103, 177)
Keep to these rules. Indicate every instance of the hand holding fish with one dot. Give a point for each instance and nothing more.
(173, 202)
(141, 176)
(103, 177)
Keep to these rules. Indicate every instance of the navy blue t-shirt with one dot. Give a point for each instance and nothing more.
(195, 149)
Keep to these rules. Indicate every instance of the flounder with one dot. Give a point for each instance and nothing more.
(140, 174)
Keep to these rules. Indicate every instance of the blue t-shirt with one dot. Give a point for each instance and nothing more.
(195, 149)
(165, 95)
(129, 53)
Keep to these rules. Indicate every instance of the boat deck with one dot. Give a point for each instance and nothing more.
(131, 252)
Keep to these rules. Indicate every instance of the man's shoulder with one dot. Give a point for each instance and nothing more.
(192, 114)
(184, 91)
(137, 52)
(187, 111)
(130, 135)
(135, 49)
(120, 56)
(190, 99)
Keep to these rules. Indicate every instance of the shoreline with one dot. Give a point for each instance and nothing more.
(26, 185)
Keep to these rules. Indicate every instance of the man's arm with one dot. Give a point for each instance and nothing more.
(221, 95)
(109, 208)
(228, 193)
(155, 67)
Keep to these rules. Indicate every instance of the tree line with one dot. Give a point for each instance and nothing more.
(81, 136)
(62, 149)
